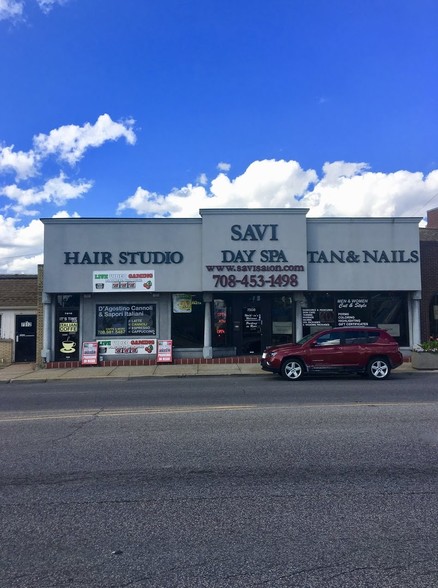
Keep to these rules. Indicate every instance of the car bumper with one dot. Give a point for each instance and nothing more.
(267, 367)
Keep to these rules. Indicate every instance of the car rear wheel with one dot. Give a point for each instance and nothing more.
(379, 368)
(292, 369)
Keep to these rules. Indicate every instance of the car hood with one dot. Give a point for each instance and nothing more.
(284, 346)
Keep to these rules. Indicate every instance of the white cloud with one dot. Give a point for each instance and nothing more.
(70, 142)
(14, 9)
(20, 247)
(265, 183)
(223, 167)
(47, 5)
(55, 190)
(10, 9)
(344, 189)
(23, 164)
(202, 179)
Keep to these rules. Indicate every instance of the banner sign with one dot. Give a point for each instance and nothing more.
(127, 346)
(164, 354)
(89, 353)
(122, 281)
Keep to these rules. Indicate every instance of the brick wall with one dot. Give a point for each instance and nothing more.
(6, 346)
(432, 219)
(18, 291)
(429, 276)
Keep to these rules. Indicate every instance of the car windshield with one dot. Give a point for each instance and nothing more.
(305, 339)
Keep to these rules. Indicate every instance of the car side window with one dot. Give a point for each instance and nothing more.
(328, 339)
(356, 337)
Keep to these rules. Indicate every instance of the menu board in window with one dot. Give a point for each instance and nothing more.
(318, 317)
(352, 312)
(125, 319)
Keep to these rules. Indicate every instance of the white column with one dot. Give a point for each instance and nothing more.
(416, 318)
(300, 302)
(47, 331)
(207, 352)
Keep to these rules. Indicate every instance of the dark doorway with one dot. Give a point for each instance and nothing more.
(25, 337)
(251, 323)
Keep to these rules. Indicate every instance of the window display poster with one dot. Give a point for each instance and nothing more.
(125, 319)
(318, 317)
(252, 319)
(67, 335)
(89, 353)
(127, 346)
(352, 312)
(164, 354)
(182, 303)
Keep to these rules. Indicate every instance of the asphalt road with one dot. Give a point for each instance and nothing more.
(220, 482)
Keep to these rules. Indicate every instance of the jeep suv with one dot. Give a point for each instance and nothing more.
(362, 350)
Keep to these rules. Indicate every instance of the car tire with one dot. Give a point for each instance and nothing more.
(379, 368)
(292, 369)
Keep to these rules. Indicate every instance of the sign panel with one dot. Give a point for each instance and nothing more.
(67, 334)
(352, 312)
(125, 320)
(318, 317)
(89, 353)
(127, 346)
(123, 281)
(254, 250)
(164, 354)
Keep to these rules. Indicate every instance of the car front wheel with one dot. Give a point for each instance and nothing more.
(379, 368)
(292, 369)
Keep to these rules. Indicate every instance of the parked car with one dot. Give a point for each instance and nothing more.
(368, 351)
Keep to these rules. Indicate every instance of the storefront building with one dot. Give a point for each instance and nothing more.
(225, 284)
(429, 276)
(18, 318)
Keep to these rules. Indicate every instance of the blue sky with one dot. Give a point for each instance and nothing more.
(160, 107)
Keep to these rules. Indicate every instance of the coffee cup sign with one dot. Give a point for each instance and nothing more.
(68, 346)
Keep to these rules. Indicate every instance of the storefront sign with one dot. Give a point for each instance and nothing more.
(125, 319)
(255, 255)
(89, 353)
(67, 336)
(127, 346)
(142, 281)
(364, 256)
(123, 258)
(352, 312)
(164, 354)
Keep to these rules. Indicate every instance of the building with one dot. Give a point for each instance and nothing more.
(429, 276)
(18, 318)
(225, 284)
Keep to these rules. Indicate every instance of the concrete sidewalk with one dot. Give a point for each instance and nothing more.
(27, 372)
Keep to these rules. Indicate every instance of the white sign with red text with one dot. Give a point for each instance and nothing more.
(132, 346)
(123, 281)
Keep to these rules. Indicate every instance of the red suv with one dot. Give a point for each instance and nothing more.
(361, 350)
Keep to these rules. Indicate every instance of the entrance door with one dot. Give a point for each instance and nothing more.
(25, 337)
(252, 325)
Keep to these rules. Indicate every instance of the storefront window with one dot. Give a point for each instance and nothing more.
(188, 320)
(433, 317)
(348, 309)
(126, 320)
(282, 319)
(67, 327)
(220, 322)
